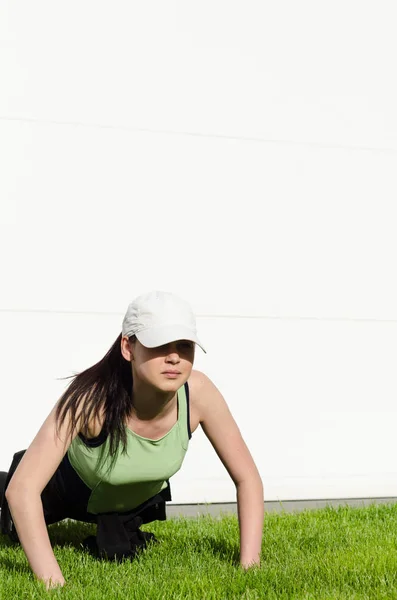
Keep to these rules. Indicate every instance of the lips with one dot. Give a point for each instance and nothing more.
(170, 372)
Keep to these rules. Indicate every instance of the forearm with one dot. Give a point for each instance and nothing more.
(250, 508)
(27, 513)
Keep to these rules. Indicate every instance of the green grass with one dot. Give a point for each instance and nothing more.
(331, 553)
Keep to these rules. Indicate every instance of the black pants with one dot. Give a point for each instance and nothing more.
(3, 480)
(3, 477)
(118, 535)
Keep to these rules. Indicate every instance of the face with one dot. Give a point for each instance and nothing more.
(165, 368)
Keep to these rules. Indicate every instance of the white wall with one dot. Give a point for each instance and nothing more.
(241, 154)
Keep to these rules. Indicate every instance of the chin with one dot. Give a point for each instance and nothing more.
(171, 385)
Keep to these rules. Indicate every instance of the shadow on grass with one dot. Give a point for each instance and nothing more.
(221, 548)
(11, 563)
(5, 542)
(64, 533)
(224, 551)
(14, 566)
(70, 533)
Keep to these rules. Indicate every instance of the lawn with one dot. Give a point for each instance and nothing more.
(330, 553)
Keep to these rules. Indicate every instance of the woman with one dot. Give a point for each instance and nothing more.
(118, 433)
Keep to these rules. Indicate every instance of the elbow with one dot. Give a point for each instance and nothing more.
(10, 494)
(258, 486)
(16, 494)
(253, 482)
(250, 481)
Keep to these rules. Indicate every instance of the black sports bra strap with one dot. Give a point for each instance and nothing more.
(189, 431)
(94, 442)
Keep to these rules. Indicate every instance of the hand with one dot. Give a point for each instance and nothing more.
(54, 582)
(250, 564)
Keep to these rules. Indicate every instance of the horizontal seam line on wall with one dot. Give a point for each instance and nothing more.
(203, 316)
(204, 135)
(293, 500)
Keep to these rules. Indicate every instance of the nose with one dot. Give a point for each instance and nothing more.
(172, 356)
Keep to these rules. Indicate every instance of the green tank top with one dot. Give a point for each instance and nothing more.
(137, 475)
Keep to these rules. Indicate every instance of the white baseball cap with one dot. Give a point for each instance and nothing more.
(158, 318)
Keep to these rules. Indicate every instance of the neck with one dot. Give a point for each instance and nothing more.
(149, 403)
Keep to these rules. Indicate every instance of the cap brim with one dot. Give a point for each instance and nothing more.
(158, 336)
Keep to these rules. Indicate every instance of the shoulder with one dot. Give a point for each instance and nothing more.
(204, 394)
(199, 385)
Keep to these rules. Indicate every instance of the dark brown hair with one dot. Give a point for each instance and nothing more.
(103, 389)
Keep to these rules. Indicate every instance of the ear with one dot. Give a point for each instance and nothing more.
(126, 348)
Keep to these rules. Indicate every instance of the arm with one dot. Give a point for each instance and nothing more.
(23, 496)
(222, 431)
